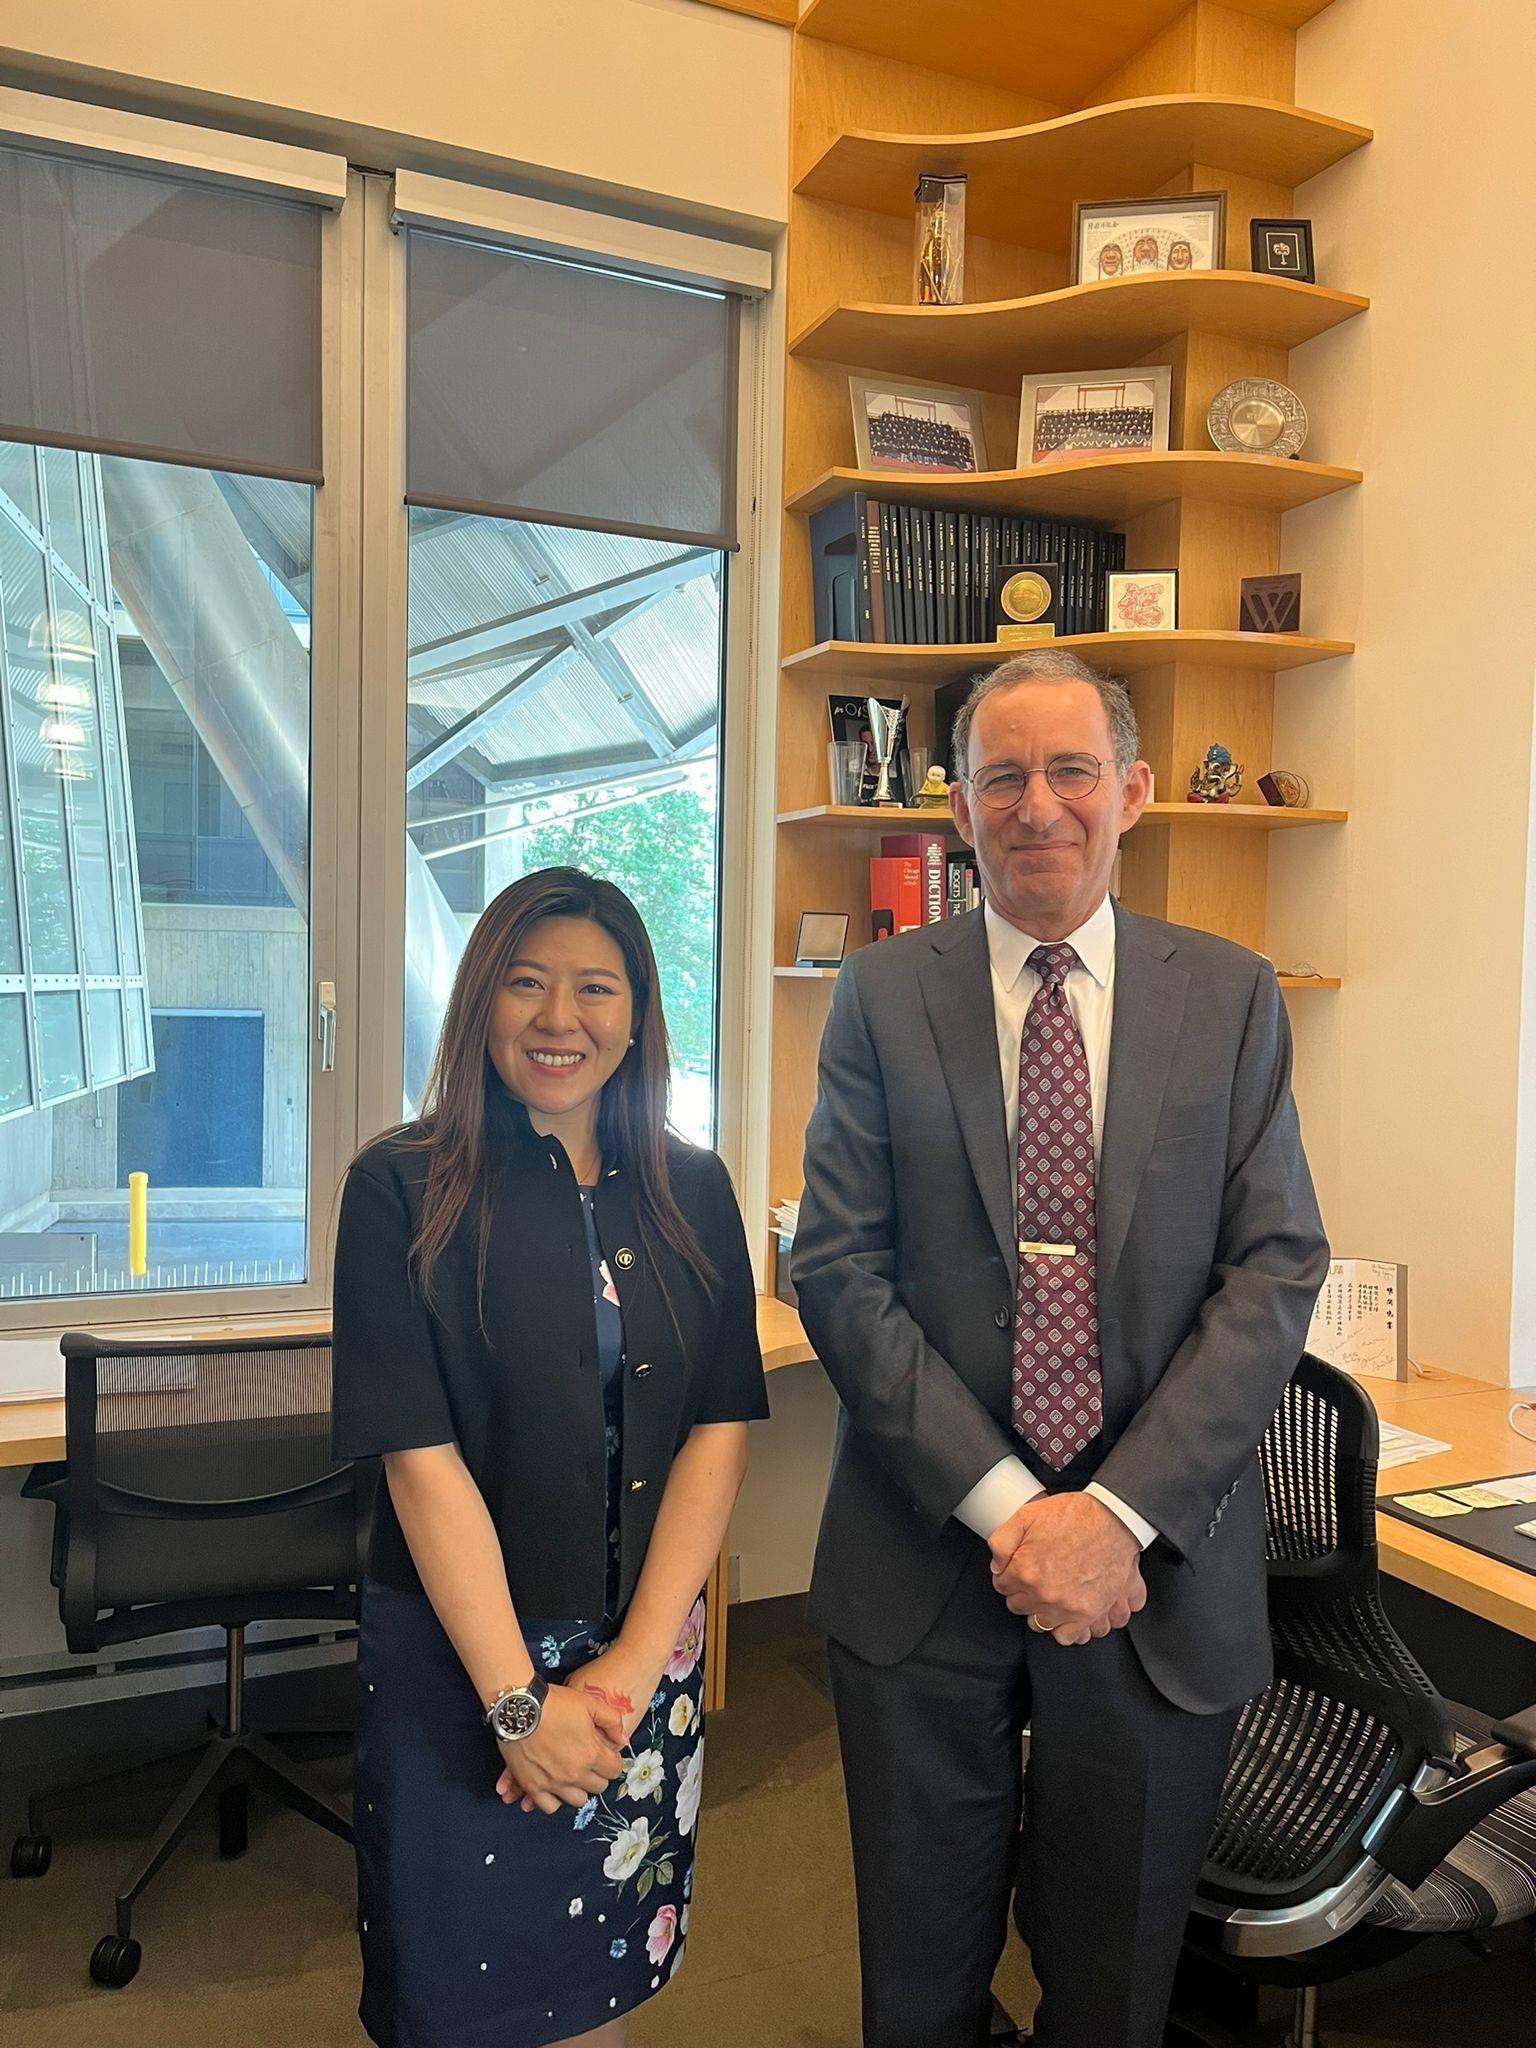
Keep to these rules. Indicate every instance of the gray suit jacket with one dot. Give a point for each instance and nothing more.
(1211, 1254)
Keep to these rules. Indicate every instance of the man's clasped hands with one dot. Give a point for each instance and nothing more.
(1070, 1564)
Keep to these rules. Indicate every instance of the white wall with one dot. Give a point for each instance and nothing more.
(1409, 1078)
(651, 96)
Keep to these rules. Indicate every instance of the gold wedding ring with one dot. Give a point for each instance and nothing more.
(1038, 1625)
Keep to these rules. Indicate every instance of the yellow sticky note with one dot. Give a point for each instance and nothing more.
(1475, 1496)
(1431, 1504)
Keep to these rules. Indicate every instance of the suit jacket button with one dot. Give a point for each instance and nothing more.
(641, 1369)
(635, 1485)
(1001, 1319)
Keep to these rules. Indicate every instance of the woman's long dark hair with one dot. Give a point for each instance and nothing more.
(632, 1112)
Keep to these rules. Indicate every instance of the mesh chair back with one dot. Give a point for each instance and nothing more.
(201, 1482)
(1350, 1717)
(214, 1428)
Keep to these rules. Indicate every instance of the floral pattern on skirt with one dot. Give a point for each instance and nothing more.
(486, 1927)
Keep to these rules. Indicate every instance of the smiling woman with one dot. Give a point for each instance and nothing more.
(545, 1324)
(559, 1026)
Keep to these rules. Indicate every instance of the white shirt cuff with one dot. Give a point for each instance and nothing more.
(1138, 1525)
(1004, 1490)
(996, 1495)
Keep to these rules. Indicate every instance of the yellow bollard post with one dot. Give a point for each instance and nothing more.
(138, 1224)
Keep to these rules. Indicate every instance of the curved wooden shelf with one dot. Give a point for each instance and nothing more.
(836, 661)
(1096, 486)
(1094, 326)
(1207, 817)
(865, 818)
(1022, 182)
(1236, 817)
(1286, 981)
(1061, 57)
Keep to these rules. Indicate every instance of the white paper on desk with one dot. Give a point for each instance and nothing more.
(31, 1369)
(1402, 1446)
(1521, 1488)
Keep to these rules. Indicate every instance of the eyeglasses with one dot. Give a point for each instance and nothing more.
(1069, 776)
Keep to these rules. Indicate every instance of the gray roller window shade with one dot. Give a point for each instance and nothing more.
(560, 392)
(155, 316)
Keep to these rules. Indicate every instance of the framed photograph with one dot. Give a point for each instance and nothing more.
(821, 938)
(1094, 412)
(1282, 248)
(1131, 237)
(1141, 601)
(916, 427)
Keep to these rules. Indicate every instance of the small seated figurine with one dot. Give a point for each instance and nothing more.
(934, 794)
(1218, 778)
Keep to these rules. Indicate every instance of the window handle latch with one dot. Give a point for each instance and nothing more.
(325, 1024)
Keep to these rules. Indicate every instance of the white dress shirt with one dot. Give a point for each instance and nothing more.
(1090, 990)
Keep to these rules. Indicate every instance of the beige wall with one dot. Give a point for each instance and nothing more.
(653, 96)
(1408, 1079)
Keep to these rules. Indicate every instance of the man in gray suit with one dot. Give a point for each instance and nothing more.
(1057, 1251)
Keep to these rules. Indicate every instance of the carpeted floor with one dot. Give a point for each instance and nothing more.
(260, 1953)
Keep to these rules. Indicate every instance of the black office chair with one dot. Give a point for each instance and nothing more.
(1362, 1813)
(199, 1489)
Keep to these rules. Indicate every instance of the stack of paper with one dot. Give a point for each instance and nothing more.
(785, 1217)
(1402, 1446)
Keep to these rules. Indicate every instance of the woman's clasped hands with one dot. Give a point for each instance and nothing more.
(574, 1753)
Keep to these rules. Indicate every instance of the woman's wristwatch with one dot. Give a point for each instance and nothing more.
(517, 1710)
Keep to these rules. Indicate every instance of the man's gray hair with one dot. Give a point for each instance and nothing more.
(1051, 665)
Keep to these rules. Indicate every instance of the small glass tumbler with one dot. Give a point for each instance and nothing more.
(845, 765)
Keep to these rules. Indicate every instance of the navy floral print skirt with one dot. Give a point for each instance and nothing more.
(486, 1927)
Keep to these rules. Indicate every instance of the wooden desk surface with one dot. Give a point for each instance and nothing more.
(34, 1430)
(1473, 1418)
(1467, 1414)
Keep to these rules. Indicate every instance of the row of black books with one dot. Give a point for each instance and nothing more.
(924, 575)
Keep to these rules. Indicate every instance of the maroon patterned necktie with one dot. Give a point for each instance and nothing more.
(1057, 1387)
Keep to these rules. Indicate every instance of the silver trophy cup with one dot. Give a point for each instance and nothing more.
(885, 728)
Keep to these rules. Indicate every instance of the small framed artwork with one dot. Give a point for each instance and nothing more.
(918, 427)
(821, 939)
(1283, 248)
(1141, 601)
(1094, 412)
(1132, 237)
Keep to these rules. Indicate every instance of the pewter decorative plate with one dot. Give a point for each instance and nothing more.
(1257, 416)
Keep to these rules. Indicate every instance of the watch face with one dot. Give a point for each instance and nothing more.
(516, 1717)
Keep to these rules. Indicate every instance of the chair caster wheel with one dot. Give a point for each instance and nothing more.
(31, 1855)
(115, 1961)
(234, 1808)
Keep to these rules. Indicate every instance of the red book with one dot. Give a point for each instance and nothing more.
(930, 848)
(896, 885)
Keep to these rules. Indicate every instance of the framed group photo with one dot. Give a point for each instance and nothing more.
(1094, 412)
(916, 427)
(1134, 237)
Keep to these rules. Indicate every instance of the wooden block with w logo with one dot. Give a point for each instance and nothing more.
(1270, 604)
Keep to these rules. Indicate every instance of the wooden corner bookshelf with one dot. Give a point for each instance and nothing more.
(1118, 99)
